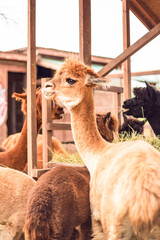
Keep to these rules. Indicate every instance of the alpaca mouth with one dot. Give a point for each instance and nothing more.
(60, 114)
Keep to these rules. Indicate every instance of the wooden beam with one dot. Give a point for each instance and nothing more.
(13, 56)
(154, 32)
(47, 134)
(126, 44)
(143, 13)
(85, 31)
(145, 73)
(58, 126)
(111, 89)
(31, 89)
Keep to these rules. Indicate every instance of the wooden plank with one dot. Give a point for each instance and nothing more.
(85, 31)
(36, 173)
(47, 134)
(119, 102)
(154, 32)
(111, 89)
(143, 13)
(31, 89)
(120, 75)
(126, 44)
(58, 126)
(13, 56)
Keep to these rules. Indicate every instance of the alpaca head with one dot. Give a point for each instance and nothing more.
(131, 125)
(107, 125)
(145, 102)
(57, 111)
(71, 82)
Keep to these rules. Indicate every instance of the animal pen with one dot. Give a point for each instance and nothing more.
(148, 13)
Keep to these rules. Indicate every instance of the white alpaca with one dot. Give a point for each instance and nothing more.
(14, 189)
(125, 177)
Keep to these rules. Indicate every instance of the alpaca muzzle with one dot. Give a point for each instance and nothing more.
(48, 90)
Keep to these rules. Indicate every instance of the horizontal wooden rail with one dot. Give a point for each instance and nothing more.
(58, 126)
(130, 50)
(111, 89)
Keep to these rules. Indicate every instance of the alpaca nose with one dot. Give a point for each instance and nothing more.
(49, 85)
(48, 89)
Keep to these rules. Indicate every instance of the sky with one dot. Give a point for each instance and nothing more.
(57, 26)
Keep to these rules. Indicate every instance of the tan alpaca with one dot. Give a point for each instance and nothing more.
(14, 189)
(125, 177)
(16, 157)
(57, 146)
(107, 126)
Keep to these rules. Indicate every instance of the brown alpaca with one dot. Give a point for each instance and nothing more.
(125, 177)
(2, 149)
(15, 187)
(52, 184)
(58, 203)
(57, 146)
(16, 157)
(107, 126)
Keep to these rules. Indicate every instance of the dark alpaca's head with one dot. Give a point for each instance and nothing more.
(131, 125)
(145, 102)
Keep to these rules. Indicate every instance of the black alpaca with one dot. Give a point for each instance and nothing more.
(146, 103)
(131, 125)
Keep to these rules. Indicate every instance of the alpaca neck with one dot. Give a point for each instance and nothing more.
(154, 122)
(17, 156)
(85, 132)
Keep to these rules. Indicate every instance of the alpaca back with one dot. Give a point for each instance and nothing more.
(15, 187)
(58, 203)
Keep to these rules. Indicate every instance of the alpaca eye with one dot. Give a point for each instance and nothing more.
(70, 81)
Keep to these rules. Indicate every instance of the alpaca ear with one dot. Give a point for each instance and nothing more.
(100, 81)
(143, 122)
(125, 116)
(150, 90)
(107, 116)
(19, 96)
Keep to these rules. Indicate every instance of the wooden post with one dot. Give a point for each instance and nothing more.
(126, 44)
(85, 31)
(47, 134)
(31, 89)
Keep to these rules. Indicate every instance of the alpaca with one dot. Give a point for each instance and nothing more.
(146, 103)
(57, 146)
(131, 125)
(58, 203)
(124, 177)
(107, 126)
(49, 187)
(15, 187)
(16, 157)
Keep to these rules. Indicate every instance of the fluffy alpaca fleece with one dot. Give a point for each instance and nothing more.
(125, 177)
(146, 103)
(58, 203)
(107, 126)
(14, 189)
(16, 157)
(131, 125)
(57, 146)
